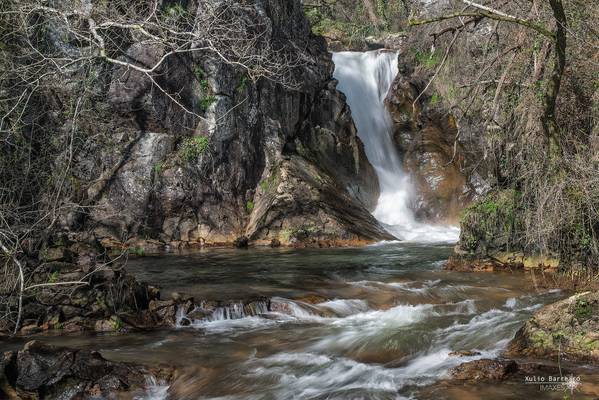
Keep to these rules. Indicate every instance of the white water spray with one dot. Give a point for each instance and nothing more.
(365, 79)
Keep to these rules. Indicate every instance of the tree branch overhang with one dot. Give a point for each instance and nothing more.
(487, 14)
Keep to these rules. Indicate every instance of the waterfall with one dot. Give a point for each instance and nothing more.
(365, 79)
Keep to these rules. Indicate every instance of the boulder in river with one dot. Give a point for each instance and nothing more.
(568, 328)
(49, 372)
(484, 369)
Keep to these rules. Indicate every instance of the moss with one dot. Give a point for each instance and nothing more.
(540, 339)
(325, 25)
(249, 206)
(206, 102)
(193, 147)
(117, 324)
(299, 232)
(583, 310)
(138, 251)
(269, 184)
(242, 83)
(492, 219)
(285, 234)
(427, 60)
(175, 11)
(158, 168)
(53, 277)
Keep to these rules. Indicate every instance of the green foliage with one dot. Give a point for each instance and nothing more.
(328, 26)
(269, 184)
(175, 11)
(427, 60)
(204, 85)
(435, 98)
(138, 251)
(242, 83)
(490, 220)
(199, 73)
(193, 147)
(206, 102)
(583, 310)
(158, 167)
(249, 206)
(117, 324)
(53, 277)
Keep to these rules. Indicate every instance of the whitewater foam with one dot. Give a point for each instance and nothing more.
(365, 78)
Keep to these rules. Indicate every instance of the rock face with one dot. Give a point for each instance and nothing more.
(48, 372)
(484, 370)
(259, 159)
(426, 136)
(568, 328)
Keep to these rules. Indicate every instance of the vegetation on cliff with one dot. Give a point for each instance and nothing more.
(528, 109)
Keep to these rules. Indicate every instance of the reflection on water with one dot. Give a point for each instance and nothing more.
(377, 322)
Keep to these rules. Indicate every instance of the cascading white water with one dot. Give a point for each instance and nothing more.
(365, 79)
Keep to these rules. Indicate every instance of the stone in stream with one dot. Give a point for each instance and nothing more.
(569, 328)
(50, 372)
(484, 370)
(464, 353)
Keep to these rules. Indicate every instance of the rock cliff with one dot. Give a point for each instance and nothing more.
(426, 135)
(228, 159)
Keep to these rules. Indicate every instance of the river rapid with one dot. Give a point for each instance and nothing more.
(377, 322)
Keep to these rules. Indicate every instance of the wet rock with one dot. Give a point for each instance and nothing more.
(165, 311)
(569, 328)
(476, 263)
(464, 353)
(312, 299)
(54, 254)
(484, 370)
(199, 314)
(425, 135)
(113, 324)
(241, 242)
(77, 324)
(43, 371)
(176, 297)
(30, 329)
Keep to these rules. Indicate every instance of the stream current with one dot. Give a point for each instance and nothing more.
(377, 322)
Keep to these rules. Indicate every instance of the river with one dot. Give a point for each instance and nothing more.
(377, 322)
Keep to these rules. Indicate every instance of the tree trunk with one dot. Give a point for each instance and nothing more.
(550, 127)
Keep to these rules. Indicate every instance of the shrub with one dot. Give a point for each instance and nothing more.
(583, 310)
(193, 147)
(206, 102)
(428, 60)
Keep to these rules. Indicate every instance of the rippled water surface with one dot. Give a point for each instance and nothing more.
(372, 323)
